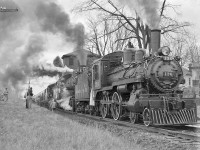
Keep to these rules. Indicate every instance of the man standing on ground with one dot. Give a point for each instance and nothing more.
(29, 97)
(5, 93)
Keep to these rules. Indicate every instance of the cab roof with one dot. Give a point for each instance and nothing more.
(113, 57)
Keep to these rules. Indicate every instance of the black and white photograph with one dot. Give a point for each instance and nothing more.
(99, 75)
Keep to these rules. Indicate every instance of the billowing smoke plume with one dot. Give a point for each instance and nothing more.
(50, 70)
(23, 35)
(53, 19)
(9, 21)
(19, 68)
(147, 9)
(151, 12)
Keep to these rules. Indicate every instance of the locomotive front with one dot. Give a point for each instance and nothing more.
(164, 73)
(144, 86)
(164, 104)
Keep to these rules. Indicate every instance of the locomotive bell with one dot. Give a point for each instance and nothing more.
(155, 40)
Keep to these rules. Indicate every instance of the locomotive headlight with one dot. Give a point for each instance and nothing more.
(164, 51)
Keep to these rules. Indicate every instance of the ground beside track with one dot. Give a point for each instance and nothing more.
(39, 128)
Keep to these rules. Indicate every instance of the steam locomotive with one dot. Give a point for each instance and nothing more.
(128, 83)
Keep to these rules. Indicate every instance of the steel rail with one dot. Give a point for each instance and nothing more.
(162, 130)
(189, 137)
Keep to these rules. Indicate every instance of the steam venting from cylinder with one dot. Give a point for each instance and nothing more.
(155, 40)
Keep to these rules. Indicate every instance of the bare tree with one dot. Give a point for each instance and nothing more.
(178, 47)
(171, 27)
(138, 31)
(185, 47)
(107, 36)
(193, 51)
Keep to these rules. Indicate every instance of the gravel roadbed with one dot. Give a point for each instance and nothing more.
(145, 139)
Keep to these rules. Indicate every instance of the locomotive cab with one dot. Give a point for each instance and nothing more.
(164, 73)
(103, 67)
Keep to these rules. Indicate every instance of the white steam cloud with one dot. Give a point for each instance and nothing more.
(50, 70)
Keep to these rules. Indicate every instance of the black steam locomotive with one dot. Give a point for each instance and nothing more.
(127, 83)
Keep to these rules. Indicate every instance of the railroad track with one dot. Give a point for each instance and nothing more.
(184, 135)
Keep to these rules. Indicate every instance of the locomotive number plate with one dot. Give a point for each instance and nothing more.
(167, 58)
(169, 74)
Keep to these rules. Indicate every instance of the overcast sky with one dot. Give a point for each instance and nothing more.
(189, 11)
(24, 30)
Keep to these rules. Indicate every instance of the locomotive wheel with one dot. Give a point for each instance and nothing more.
(104, 107)
(133, 117)
(116, 106)
(146, 117)
(97, 109)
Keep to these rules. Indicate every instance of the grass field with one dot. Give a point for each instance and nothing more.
(38, 128)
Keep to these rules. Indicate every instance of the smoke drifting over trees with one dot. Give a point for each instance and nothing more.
(148, 10)
(53, 19)
(23, 35)
(19, 66)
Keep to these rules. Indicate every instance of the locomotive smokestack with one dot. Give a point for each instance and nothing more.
(82, 57)
(155, 40)
(82, 68)
(82, 62)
